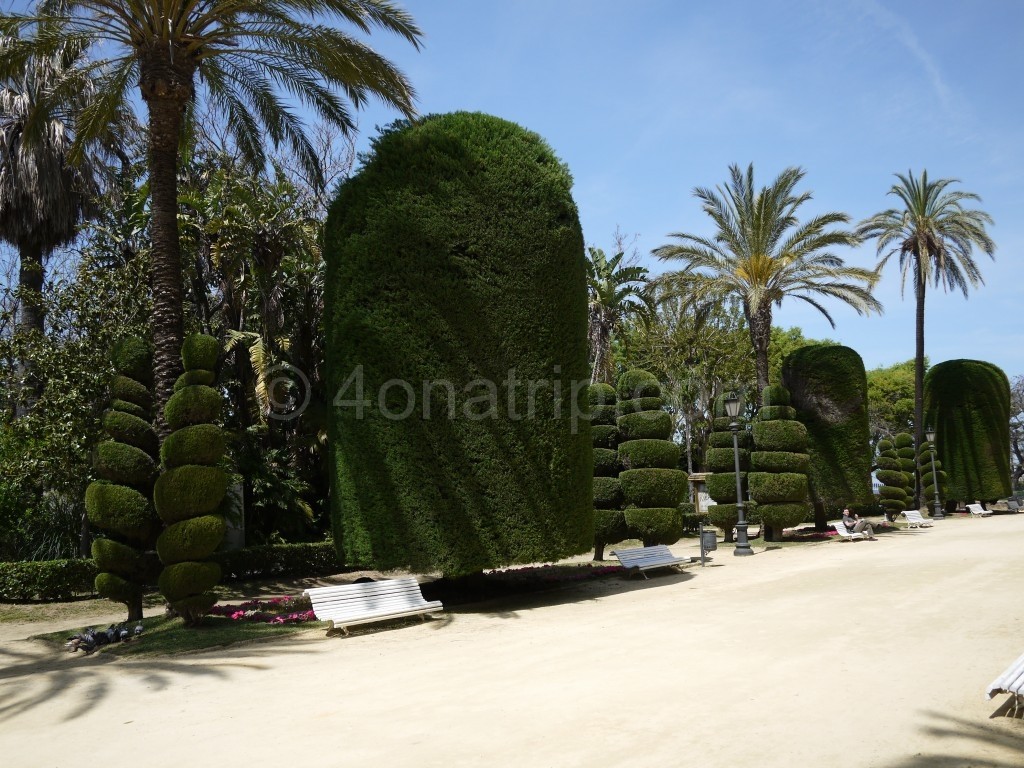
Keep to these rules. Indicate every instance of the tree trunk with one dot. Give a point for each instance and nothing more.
(919, 292)
(760, 323)
(135, 608)
(31, 319)
(598, 551)
(820, 516)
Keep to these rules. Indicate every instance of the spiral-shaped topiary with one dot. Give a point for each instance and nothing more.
(609, 521)
(652, 486)
(904, 444)
(780, 442)
(720, 459)
(118, 503)
(191, 488)
(933, 477)
(893, 492)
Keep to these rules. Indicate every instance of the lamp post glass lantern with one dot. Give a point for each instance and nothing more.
(929, 435)
(732, 410)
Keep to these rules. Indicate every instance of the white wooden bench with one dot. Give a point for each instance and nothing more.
(916, 520)
(351, 604)
(977, 511)
(645, 558)
(1012, 682)
(845, 535)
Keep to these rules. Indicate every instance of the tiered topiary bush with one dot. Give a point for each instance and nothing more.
(829, 389)
(118, 503)
(189, 492)
(652, 486)
(609, 519)
(904, 445)
(894, 481)
(721, 461)
(456, 295)
(778, 465)
(968, 402)
(929, 477)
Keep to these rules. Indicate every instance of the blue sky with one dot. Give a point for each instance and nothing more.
(647, 99)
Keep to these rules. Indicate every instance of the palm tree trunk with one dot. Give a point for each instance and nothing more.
(760, 323)
(31, 317)
(165, 118)
(919, 292)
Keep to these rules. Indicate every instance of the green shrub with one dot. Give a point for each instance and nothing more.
(124, 388)
(199, 352)
(123, 463)
(776, 487)
(724, 516)
(724, 459)
(722, 486)
(187, 579)
(780, 436)
(606, 462)
(456, 254)
(116, 588)
(775, 394)
(653, 487)
(120, 509)
(904, 440)
(885, 445)
(690, 519)
(609, 526)
(189, 491)
(603, 414)
(655, 525)
(193, 405)
(46, 580)
(891, 477)
(780, 516)
(889, 462)
(773, 412)
(906, 454)
(123, 406)
(638, 404)
(779, 461)
(118, 558)
(193, 378)
(198, 444)
(601, 394)
(604, 436)
(194, 539)
(637, 383)
(892, 492)
(638, 454)
(132, 430)
(648, 425)
(607, 493)
(722, 424)
(133, 357)
(195, 605)
(724, 440)
(279, 561)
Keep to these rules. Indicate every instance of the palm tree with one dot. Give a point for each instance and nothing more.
(240, 53)
(935, 237)
(43, 196)
(761, 253)
(615, 292)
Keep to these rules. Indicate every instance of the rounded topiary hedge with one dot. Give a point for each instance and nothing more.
(456, 255)
(654, 525)
(775, 394)
(724, 439)
(721, 486)
(606, 462)
(652, 487)
(642, 454)
(603, 415)
(905, 455)
(605, 436)
(894, 480)
(609, 522)
(637, 383)
(779, 461)
(190, 378)
(781, 496)
(192, 486)
(968, 402)
(118, 504)
(720, 458)
(607, 493)
(638, 404)
(645, 425)
(829, 394)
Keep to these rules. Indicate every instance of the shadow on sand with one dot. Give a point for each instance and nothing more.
(991, 735)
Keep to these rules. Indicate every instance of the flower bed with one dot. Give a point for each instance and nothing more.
(276, 610)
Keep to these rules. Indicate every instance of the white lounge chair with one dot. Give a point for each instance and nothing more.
(916, 520)
(845, 535)
(977, 511)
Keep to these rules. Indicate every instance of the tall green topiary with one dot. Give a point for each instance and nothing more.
(118, 503)
(829, 389)
(609, 519)
(721, 461)
(456, 338)
(778, 476)
(894, 480)
(191, 488)
(904, 445)
(968, 402)
(652, 487)
(932, 474)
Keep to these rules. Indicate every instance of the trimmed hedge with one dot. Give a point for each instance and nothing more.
(123, 463)
(189, 491)
(775, 394)
(789, 436)
(192, 378)
(724, 459)
(121, 510)
(968, 401)
(638, 383)
(649, 488)
(646, 425)
(198, 444)
(779, 495)
(725, 516)
(606, 462)
(124, 388)
(640, 454)
(188, 579)
(133, 357)
(279, 561)
(784, 515)
(662, 525)
(604, 436)
(46, 580)
(196, 404)
(456, 254)
(200, 352)
(607, 493)
(724, 440)
(773, 412)
(194, 539)
(123, 406)
(721, 486)
(601, 415)
(638, 404)
(119, 558)
(903, 440)
(777, 487)
(609, 527)
(118, 589)
(132, 430)
(601, 394)
(779, 461)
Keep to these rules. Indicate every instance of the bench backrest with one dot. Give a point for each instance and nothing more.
(975, 509)
(841, 530)
(375, 596)
(913, 514)
(657, 553)
(1011, 681)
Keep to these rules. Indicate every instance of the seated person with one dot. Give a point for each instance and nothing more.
(854, 524)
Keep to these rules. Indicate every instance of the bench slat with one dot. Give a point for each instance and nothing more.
(644, 558)
(1011, 681)
(350, 604)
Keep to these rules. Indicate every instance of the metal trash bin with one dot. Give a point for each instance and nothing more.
(708, 540)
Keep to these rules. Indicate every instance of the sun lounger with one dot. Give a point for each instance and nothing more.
(916, 520)
(977, 511)
(352, 604)
(645, 558)
(1011, 681)
(845, 535)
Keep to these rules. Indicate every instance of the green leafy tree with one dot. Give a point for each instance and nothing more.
(761, 253)
(238, 55)
(934, 235)
(616, 292)
(784, 342)
(891, 400)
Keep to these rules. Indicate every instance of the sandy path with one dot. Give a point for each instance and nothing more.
(751, 662)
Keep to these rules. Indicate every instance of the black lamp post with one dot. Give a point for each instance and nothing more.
(929, 435)
(732, 410)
